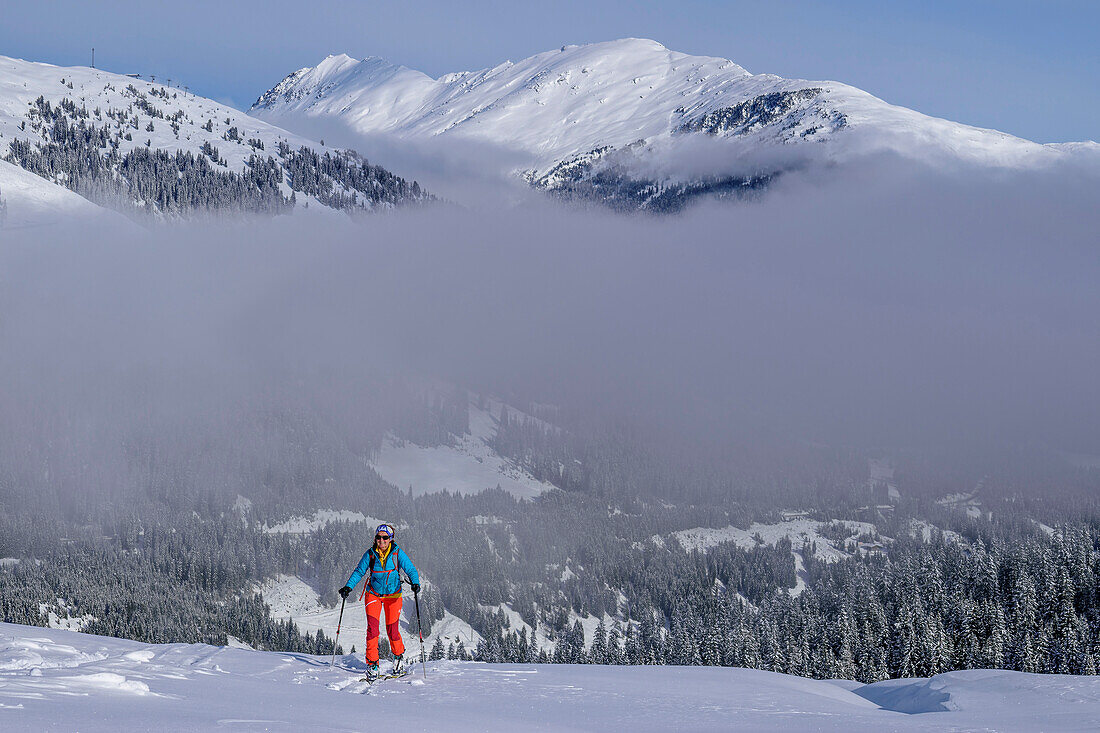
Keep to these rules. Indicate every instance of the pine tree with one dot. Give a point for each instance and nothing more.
(598, 650)
(615, 647)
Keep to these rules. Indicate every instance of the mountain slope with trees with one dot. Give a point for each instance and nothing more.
(146, 147)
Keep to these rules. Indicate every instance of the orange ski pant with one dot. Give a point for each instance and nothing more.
(392, 607)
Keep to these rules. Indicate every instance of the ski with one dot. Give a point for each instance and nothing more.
(381, 677)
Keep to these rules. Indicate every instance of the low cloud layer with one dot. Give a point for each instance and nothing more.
(882, 310)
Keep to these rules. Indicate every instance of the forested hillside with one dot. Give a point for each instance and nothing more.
(175, 558)
(149, 148)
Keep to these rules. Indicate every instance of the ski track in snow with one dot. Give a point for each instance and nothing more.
(62, 680)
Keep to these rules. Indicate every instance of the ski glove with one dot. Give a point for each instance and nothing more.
(345, 592)
(416, 587)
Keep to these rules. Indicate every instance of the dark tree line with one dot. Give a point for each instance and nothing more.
(929, 608)
(158, 584)
(345, 180)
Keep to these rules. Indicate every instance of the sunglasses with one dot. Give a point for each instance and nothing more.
(381, 537)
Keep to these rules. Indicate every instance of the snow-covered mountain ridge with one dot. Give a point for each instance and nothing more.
(633, 109)
(140, 145)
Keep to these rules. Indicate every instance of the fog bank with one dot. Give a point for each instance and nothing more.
(879, 311)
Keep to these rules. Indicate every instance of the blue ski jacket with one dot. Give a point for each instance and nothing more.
(385, 580)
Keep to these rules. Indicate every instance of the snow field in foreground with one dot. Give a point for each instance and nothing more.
(61, 680)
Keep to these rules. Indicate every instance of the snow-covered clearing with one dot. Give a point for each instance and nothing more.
(60, 680)
(798, 531)
(515, 622)
(925, 530)
(967, 501)
(468, 467)
(291, 598)
(60, 617)
(321, 517)
(882, 472)
(799, 575)
(1047, 529)
(590, 624)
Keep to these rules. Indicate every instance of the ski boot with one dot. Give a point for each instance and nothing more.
(399, 665)
(372, 672)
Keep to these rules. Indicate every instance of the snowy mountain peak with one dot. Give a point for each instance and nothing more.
(337, 59)
(631, 115)
(555, 103)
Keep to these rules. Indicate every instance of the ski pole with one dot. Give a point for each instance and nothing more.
(420, 630)
(337, 642)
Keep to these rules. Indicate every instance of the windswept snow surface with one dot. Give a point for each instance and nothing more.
(61, 680)
(467, 467)
(577, 102)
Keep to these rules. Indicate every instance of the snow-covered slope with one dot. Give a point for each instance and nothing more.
(61, 680)
(112, 126)
(633, 108)
(799, 532)
(27, 200)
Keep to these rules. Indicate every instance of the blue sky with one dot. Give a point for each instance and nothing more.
(1028, 68)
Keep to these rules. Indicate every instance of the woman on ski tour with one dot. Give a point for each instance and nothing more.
(382, 564)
